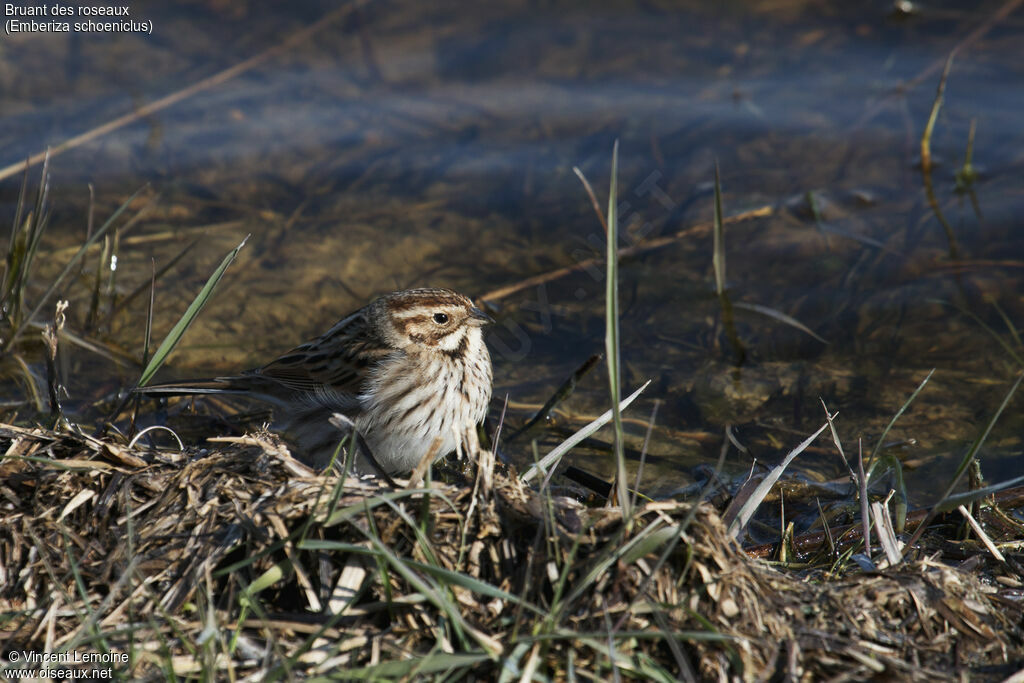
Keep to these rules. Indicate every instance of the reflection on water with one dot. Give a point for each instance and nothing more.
(400, 146)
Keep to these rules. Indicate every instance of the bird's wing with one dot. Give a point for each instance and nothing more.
(328, 368)
(337, 361)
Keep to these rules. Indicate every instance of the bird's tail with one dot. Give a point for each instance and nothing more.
(217, 385)
(249, 385)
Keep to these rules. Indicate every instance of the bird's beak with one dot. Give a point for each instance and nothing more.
(479, 318)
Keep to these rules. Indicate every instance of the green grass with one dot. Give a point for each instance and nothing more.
(169, 343)
(611, 342)
(17, 312)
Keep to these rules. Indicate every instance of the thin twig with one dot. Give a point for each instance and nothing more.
(697, 230)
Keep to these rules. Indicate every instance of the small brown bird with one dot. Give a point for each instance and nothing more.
(406, 369)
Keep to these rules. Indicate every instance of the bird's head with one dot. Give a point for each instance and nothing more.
(429, 320)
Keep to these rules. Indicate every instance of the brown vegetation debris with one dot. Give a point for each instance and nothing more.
(241, 561)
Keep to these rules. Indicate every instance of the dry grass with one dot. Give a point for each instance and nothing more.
(241, 563)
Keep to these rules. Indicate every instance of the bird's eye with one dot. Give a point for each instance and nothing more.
(441, 318)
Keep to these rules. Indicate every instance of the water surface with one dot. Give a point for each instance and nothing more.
(403, 146)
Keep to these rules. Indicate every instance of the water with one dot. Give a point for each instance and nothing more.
(403, 146)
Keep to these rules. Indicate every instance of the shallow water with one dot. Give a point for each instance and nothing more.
(399, 146)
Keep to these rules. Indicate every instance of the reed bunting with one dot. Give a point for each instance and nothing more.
(409, 369)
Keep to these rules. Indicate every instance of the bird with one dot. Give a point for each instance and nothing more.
(410, 372)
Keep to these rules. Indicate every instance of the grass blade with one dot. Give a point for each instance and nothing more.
(718, 265)
(718, 247)
(926, 159)
(968, 497)
(611, 340)
(737, 525)
(900, 498)
(552, 458)
(22, 248)
(174, 336)
(933, 116)
(885, 432)
(561, 394)
(995, 335)
(781, 317)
